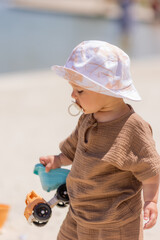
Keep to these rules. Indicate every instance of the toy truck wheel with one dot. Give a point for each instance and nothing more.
(62, 204)
(42, 212)
(40, 224)
(62, 193)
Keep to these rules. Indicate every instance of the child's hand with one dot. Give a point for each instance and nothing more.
(50, 162)
(150, 214)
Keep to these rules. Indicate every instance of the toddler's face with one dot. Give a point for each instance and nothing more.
(90, 102)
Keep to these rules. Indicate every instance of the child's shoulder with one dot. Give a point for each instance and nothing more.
(139, 124)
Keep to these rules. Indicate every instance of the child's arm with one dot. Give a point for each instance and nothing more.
(150, 194)
(56, 161)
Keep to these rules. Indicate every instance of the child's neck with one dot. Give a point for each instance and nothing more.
(112, 112)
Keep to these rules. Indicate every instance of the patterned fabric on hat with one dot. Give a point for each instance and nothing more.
(100, 67)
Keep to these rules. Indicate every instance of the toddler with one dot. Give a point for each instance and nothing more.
(111, 150)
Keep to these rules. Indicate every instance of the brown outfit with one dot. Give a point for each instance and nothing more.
(70, 230)
(110, 161)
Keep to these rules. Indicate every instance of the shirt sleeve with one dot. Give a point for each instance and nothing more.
(147, 159)
(69, 145)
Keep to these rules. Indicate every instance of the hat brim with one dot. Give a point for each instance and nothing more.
(83, 81)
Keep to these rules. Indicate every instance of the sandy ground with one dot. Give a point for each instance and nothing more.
(33, 120)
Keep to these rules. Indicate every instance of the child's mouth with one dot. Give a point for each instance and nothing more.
(78, 105)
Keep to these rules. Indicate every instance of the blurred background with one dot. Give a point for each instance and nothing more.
(36, 34)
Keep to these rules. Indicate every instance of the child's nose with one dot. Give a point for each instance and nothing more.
(73, 95)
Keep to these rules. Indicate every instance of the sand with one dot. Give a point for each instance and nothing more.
(33, 120)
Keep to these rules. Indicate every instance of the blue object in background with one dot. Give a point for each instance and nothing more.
(53, 179)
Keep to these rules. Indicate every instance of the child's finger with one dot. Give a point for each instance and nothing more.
(151, 222)
(146, 214)
(48, 167)
(43, 160)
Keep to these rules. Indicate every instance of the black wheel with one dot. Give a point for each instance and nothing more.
(42, 212)
(40, 224)
(62, 204)
(62, 193)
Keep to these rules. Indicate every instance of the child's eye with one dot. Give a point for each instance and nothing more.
(79, 92)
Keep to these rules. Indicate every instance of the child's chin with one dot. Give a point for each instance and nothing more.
(87, 112)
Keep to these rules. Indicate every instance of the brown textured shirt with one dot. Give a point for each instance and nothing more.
(110, 161)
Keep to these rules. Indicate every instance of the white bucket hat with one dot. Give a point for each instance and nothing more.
(100, 67)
